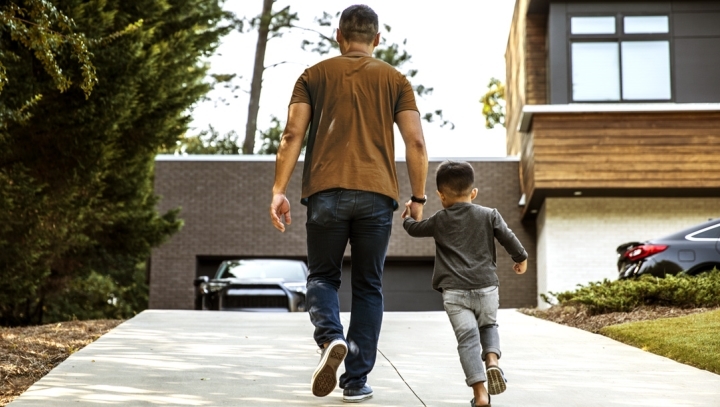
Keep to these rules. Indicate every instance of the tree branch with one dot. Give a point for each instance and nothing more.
(323, 36)
(36, 25)
(284, 62)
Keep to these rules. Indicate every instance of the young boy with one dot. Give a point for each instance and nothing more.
(464, 272)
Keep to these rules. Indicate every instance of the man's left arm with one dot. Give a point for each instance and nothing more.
(408, 122)
(299, 115)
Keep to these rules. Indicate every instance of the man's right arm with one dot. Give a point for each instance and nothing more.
(408, 121)
(299, 115)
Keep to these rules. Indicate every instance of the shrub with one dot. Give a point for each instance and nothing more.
(681, 291)
(98, 296)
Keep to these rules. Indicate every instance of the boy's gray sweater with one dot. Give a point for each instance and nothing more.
(465, 236)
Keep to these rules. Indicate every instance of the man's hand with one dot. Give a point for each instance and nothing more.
(279, 211)
(415, 210)
(520, 268)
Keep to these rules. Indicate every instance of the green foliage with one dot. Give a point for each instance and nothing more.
(207, 142)
(493, 102)
(276, 22)
(625, 295)
(272, 136)
(692, 339)
(48, 33)
(98, 296)
(77, 210)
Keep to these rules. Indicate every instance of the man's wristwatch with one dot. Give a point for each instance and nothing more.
(422, 200)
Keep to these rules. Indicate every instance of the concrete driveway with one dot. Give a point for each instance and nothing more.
(192, 358)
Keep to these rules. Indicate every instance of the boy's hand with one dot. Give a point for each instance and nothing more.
(408, 211)
(520, 268)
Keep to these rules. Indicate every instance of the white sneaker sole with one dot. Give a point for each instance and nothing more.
(324, 379)
(356, 399)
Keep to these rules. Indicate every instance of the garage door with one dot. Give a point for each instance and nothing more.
(407, 286)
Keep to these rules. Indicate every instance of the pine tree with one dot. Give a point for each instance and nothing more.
(76, 200)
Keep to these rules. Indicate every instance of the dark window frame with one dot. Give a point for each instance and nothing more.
(620, 37)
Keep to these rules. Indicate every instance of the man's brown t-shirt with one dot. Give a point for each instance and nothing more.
(354, 99)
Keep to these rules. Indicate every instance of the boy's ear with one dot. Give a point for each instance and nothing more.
(442, 197)
(473, 194)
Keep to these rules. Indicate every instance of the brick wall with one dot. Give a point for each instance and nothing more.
(577, 237)
(224, 203)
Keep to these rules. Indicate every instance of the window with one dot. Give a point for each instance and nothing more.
(620, 58)
(708, 234)
(646, 25)
(592, 25)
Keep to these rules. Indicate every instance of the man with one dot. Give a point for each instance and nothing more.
(350, 188)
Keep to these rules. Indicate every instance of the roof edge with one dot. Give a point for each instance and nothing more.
(528, 111)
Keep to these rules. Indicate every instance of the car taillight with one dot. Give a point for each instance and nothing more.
(643, 251)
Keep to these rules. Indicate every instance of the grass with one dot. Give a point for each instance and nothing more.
(693, 340)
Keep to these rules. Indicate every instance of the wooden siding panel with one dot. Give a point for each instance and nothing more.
(526, 69)
(536, 59)
(622, 150)
(515, 77)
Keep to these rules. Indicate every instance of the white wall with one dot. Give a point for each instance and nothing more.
(542, 259)
(577, 237)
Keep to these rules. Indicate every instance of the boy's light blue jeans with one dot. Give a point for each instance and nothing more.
(473, 315)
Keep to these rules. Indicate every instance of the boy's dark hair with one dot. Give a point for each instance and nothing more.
(455, 178)
(359, 23)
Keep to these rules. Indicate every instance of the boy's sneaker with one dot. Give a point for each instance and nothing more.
(324, 379)
(357, 395)
(496, 380)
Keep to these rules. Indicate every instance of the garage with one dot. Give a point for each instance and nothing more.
(407, 284)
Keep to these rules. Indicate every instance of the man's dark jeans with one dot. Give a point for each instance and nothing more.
(364, 219)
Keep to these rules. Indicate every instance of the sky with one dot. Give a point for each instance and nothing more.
(456, 46)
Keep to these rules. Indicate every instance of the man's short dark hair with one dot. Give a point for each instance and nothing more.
(359, 23)
(455, 178)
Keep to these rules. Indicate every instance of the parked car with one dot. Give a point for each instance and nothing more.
(254, 285)
(693, 251)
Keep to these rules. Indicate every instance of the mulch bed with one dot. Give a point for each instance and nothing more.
(29, 353)
(578, 317)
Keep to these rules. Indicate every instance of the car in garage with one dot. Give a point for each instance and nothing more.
(692, 251)
(254, 285)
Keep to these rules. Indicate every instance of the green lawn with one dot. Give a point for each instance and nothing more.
(692, 339)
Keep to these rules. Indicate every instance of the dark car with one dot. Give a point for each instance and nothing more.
(692, 251)
(254, 285)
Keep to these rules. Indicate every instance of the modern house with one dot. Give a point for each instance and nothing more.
(614, 110)
(613, 133)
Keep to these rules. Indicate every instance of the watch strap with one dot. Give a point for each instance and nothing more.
(422, 200)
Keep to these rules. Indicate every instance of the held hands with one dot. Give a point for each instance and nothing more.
(280, 211)
(520, 268)
(413, 210)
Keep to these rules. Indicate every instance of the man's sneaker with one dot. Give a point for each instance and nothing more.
(324, 379)
(496, 380)
(357, 395)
